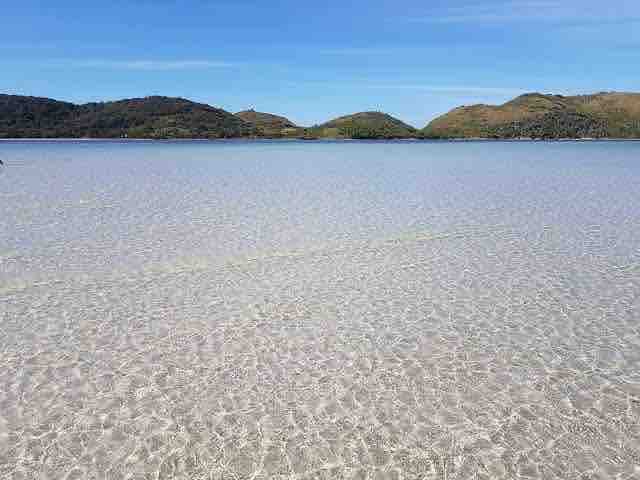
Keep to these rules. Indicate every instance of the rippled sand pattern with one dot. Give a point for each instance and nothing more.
(410, 344)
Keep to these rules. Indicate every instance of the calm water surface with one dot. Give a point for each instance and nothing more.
(281, 310)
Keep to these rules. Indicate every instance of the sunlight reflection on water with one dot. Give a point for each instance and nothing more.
(328, 310)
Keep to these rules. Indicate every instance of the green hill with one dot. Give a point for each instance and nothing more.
(267, 123)
(365, 125)
(534, 115)
(150, 117)
(34, 117)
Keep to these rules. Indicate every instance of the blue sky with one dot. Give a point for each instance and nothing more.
(312, 61)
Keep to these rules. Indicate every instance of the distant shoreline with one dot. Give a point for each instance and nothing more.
(318, 140)
(529, 117)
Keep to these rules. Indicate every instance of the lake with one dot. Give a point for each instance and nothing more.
(312, 310)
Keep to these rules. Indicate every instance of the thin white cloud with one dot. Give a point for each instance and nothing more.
(446, 90)
(573, 11)
(624, 36)
(364, 51)
(143, 64)
(454, 90)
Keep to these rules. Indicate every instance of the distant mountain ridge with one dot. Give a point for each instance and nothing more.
(34, 117)
(534, 115)
(367, 125)
(149, 117)
(266, 122)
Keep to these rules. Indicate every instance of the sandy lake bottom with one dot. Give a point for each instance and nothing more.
(272, 310)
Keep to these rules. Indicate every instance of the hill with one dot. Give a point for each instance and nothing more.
(365, 125)
(157, 117)
(267, 123)
(535, 115)
(150, 117)
(34, 117)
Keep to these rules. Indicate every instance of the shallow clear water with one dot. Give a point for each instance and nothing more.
(283, 310)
